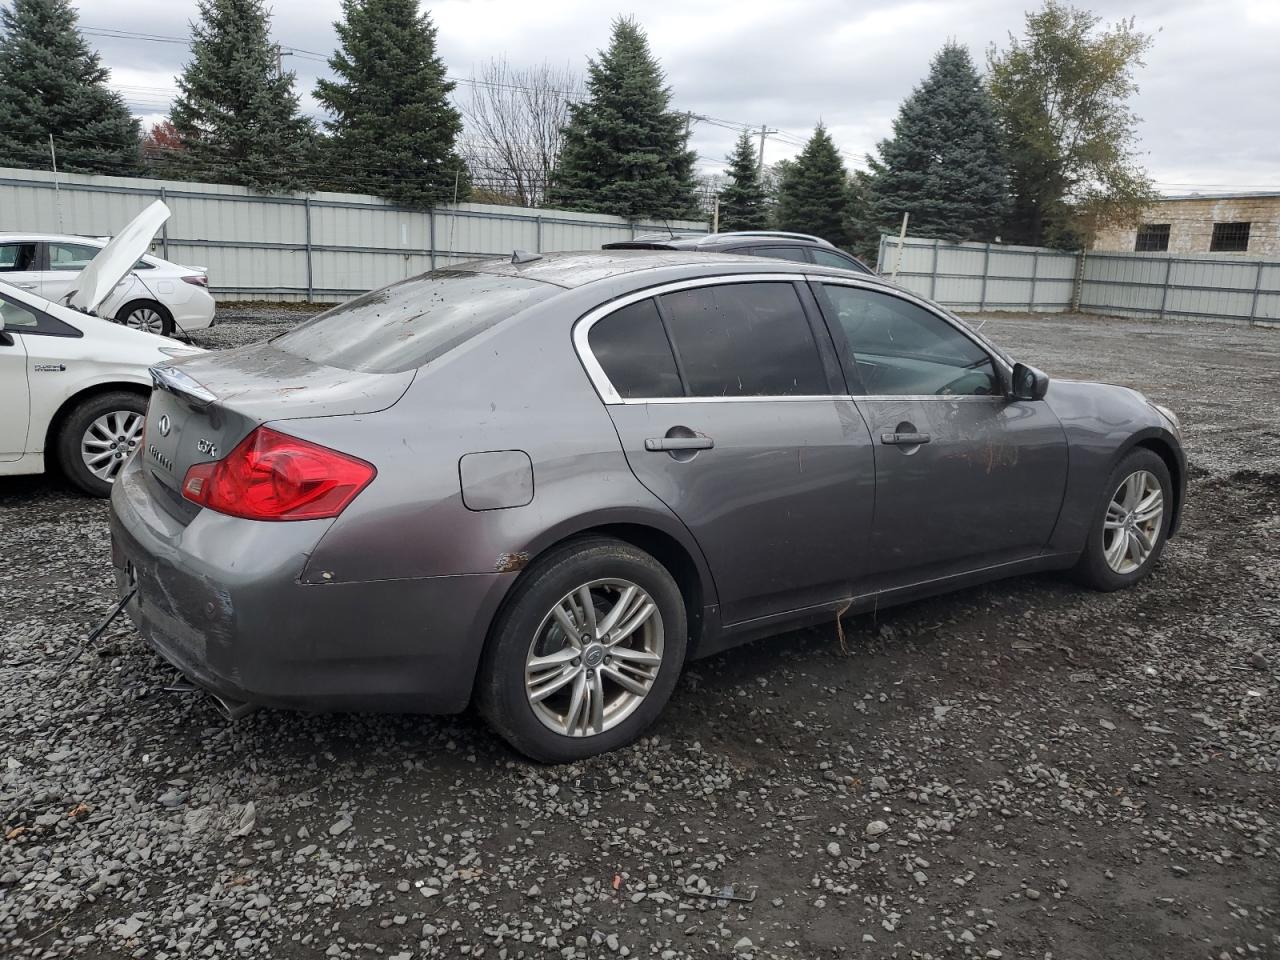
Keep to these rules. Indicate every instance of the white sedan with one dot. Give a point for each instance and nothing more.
(74, 387)
(155, 295)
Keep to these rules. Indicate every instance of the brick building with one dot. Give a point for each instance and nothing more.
(1244, 223)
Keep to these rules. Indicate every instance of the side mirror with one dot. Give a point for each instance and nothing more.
(1028, 383)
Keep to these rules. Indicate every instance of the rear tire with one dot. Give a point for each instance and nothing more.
(1127, 536)
(559, 695)
(146, 315)
(97, 437)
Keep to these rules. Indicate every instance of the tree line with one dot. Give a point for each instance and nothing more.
(1039, 150)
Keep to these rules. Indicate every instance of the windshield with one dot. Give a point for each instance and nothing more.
(411, 323)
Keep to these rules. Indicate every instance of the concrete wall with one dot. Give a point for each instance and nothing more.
(319, 246)
(1191, 221)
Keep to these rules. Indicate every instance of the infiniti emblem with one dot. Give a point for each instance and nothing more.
(163, 424)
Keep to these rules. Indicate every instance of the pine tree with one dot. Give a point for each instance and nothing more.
(813, 195)
(392, 129)
(742, 199)
(236, 113)
(625, 151)
(52, 83)
(944, 164)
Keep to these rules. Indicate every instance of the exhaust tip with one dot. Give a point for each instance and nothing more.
(231, 710)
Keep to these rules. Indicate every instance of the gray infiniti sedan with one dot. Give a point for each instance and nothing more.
(542, 484)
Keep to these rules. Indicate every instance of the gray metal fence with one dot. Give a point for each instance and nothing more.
(990, 276)
(319, 246)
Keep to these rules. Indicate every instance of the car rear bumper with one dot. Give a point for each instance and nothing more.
(221, 601)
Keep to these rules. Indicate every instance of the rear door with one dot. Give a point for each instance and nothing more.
(965, 477)
(20, 264)
(65, 261)
(729, 408)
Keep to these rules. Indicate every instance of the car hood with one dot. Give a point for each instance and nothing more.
(110, 265)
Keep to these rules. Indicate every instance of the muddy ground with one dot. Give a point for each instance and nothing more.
(1020, 770)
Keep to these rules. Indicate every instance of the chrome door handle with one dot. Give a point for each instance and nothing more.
(905, 439)
(679, 443)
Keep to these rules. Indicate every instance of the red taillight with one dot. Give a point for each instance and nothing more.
(197, 280)
(273, 476)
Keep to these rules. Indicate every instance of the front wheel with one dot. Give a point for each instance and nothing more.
(1131, 525)
(586, 654)
(98, 437)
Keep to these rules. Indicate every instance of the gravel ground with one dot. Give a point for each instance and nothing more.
(1020, 770)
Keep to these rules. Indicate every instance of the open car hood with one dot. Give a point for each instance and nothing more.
(114, 261)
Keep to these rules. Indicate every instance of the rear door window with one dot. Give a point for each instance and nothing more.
(744, 340)
(632, 349)
(411, 323)
(70, 256)
(829, 258)
(779, 253)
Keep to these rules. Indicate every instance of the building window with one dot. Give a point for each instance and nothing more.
(1152, 238)
(1229, 238)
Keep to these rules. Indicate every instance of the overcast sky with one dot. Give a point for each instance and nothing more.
(1209, 94)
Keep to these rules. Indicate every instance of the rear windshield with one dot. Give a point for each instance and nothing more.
(411, 323)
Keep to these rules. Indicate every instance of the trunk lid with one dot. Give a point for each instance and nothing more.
(203, 406)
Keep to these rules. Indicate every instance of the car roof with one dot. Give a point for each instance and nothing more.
(12, 236)
(714, 241)
(576, 269)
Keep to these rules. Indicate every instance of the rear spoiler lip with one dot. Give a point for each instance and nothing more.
(638, 245)
(181, 384)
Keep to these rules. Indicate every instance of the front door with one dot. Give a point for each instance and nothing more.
(15, 395)
(965, 478)
(731, 415)
(20, 264)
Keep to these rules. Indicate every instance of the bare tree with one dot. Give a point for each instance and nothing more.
(515, 118)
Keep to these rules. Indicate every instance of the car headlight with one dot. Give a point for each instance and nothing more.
(1170, 416)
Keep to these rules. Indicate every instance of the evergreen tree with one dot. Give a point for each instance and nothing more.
(944, 163)
(52, 83)
(236, 112)
(392, 129)
(742, 199)
(813, 195)
(625, 151)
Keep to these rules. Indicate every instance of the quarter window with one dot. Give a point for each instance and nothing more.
(827, 258)
(15, 257)
(632, 349)
(778, 253)
(900, 349)
(744, 340)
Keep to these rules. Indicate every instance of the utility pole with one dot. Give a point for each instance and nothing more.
(57, 192)
(764, 132)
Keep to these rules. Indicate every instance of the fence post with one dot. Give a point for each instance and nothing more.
(986, 268)
(933, 275)
(1164, 292)
(1257, 289)
(306, 211)
(431, 234)
(1035, 272)
(1078, 290)
(538, 241)
(164, 228)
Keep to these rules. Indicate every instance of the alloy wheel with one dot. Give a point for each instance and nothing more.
(109, 441)
(1131, 528)
(594, 658)
(145, 319)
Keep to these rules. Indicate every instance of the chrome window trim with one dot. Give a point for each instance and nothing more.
(604, 387)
